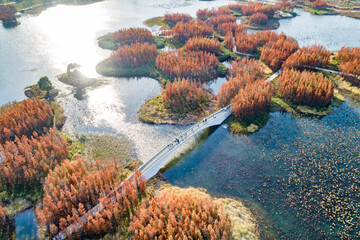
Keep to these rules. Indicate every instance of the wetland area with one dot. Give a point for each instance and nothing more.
(298, 175)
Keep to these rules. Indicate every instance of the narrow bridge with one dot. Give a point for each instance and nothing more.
(152, 167)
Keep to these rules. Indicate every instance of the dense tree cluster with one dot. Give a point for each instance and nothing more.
(258, 19)
(306, 88)
(314, 56)
(232, 87)
(75, 187)
(134, 55)
(184, 31)
(7, 15)
(200, 66)
(180, 216)
(243, 72)
(229, 41)
(245, 65)
(246, 43)
(133, 35)
(350, 60)
(258, 7)
(224, 28)
(276, 51)
(26, 161)
(23, 118)
(252, 100)
(319, 4)
(204, 14)
(217, 21)
(172, 19)
(203, 44)
(184, 96)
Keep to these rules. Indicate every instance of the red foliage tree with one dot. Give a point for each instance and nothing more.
(319, 4)
(224, 28)
(23, 118)
(246, 43)
(216, 21)
(204, 14)
(258, 19)
(231, 88)
(275, 52)
(172, 19)
(229, 41)
(184, 95)
(203, 44)
(246, 65)
(134, 55)
(314, 56)
(7, 15)
(350, 61)
(306, 88)
(184, 216)
(76, 187)
(133, 35)
(243, 72)
(26, 161)
(201, 66)
(252, 100)
(184, 31)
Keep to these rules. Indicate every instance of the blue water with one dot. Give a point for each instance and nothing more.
(264, 170)
(25, 225)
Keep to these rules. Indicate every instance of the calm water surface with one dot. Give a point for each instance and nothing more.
(254, 168)
(26, 226)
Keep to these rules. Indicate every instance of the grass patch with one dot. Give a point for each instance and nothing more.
(251, 125)
(107, 42)
(10, 194)
(157, 21)
(154, 111)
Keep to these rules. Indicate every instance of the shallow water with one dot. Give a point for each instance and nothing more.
(262, 169)
(25, 225)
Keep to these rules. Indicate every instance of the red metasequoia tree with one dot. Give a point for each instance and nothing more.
(184, 216)
(314, 56)
(184, 95)
(246, 65)
(26, 161)
(319, 4)
(134, 55)
(350, 61)
(258, 18)
(275, 52)
(23, 118)
(172, 19)
(246, 43)
(306, 88)
(216, 21)
(200, 66)
(243, 72)
(204, 14)
(229, 41)
(7, 15)
(184, 31)
(231, 88)
(75, 187)
(203, 44)
(252, 100)
(133, 35)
